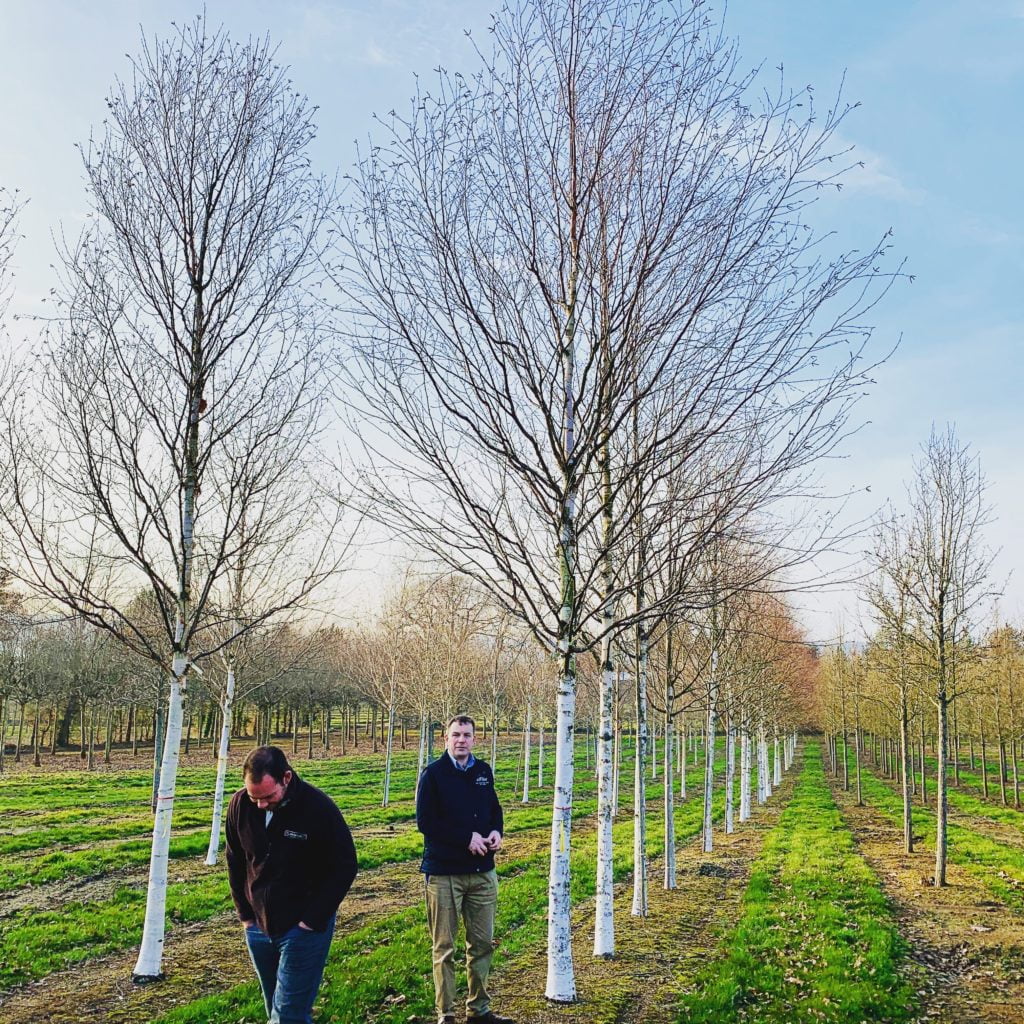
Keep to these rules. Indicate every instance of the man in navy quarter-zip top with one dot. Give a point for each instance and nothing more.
(458, 812)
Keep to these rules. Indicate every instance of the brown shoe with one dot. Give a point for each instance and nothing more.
(490, 1018)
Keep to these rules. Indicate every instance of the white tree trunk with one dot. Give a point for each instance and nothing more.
(222, 768)
(709, 754)
(778, 762)
(616, 766)
(670, 813)
(421, 758)
(730, 773)
(744, 774)
(640, 903)
(526, 753)
(604, 920)
(494, 736)
(762, 781)
(682, 760)
(540, 756)
(388, 748)
(561, 979)
(149, 965)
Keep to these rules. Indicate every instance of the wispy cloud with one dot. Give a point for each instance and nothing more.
(378, 57)
(988, 232)
(872, 174)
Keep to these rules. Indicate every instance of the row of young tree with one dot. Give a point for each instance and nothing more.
(931, 676)
(586, 341)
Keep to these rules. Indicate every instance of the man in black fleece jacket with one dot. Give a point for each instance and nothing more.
(458, 812)
(291, 861)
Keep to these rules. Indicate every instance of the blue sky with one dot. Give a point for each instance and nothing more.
(941, 88)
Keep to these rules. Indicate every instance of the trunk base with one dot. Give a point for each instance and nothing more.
(147, 979)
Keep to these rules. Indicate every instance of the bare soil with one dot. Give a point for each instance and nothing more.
(200, 959)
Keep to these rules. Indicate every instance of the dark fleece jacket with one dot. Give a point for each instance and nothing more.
(298, 868)
(450, 806)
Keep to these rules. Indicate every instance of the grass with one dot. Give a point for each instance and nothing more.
(35, 943)
(817, 940)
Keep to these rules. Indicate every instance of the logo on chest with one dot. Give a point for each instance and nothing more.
(482, 780)
(289, 834)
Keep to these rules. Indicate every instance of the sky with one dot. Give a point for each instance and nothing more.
(940, 87)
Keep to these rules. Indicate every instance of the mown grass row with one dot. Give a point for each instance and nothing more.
(967, 795)
(356, 790)
(140, 824)
(816, 940)
(51, 793)
(52, 796)
(354, 785)
(35, 943)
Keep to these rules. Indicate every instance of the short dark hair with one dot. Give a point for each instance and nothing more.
(462, 720)
(265, 761)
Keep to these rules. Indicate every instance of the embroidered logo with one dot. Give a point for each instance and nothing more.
(482, 780)
(289, 834)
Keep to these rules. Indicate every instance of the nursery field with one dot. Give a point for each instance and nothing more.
(808, 912)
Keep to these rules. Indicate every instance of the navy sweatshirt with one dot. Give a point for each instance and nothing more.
(298, 868)
(450, 806)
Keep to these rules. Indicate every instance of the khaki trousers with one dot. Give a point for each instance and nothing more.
(474, 898)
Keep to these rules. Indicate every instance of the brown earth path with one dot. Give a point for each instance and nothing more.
(968, 948)
(656, 957)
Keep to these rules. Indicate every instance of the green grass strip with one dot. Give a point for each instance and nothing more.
(816, 940)
(35, 943)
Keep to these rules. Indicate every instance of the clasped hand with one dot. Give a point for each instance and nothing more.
(482, 845)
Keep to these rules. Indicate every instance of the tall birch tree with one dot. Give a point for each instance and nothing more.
(178, 396)
(600, 221)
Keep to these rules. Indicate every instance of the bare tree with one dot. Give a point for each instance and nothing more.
(176, 419)
(888, 594)
(947, 579)
(934, 569)
(9, 207)
(597, 228)
(383, 659)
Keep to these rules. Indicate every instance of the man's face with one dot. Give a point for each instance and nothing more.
(460, 741)
(268, 792)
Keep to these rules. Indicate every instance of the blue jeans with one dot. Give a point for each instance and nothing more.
(289, 967)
